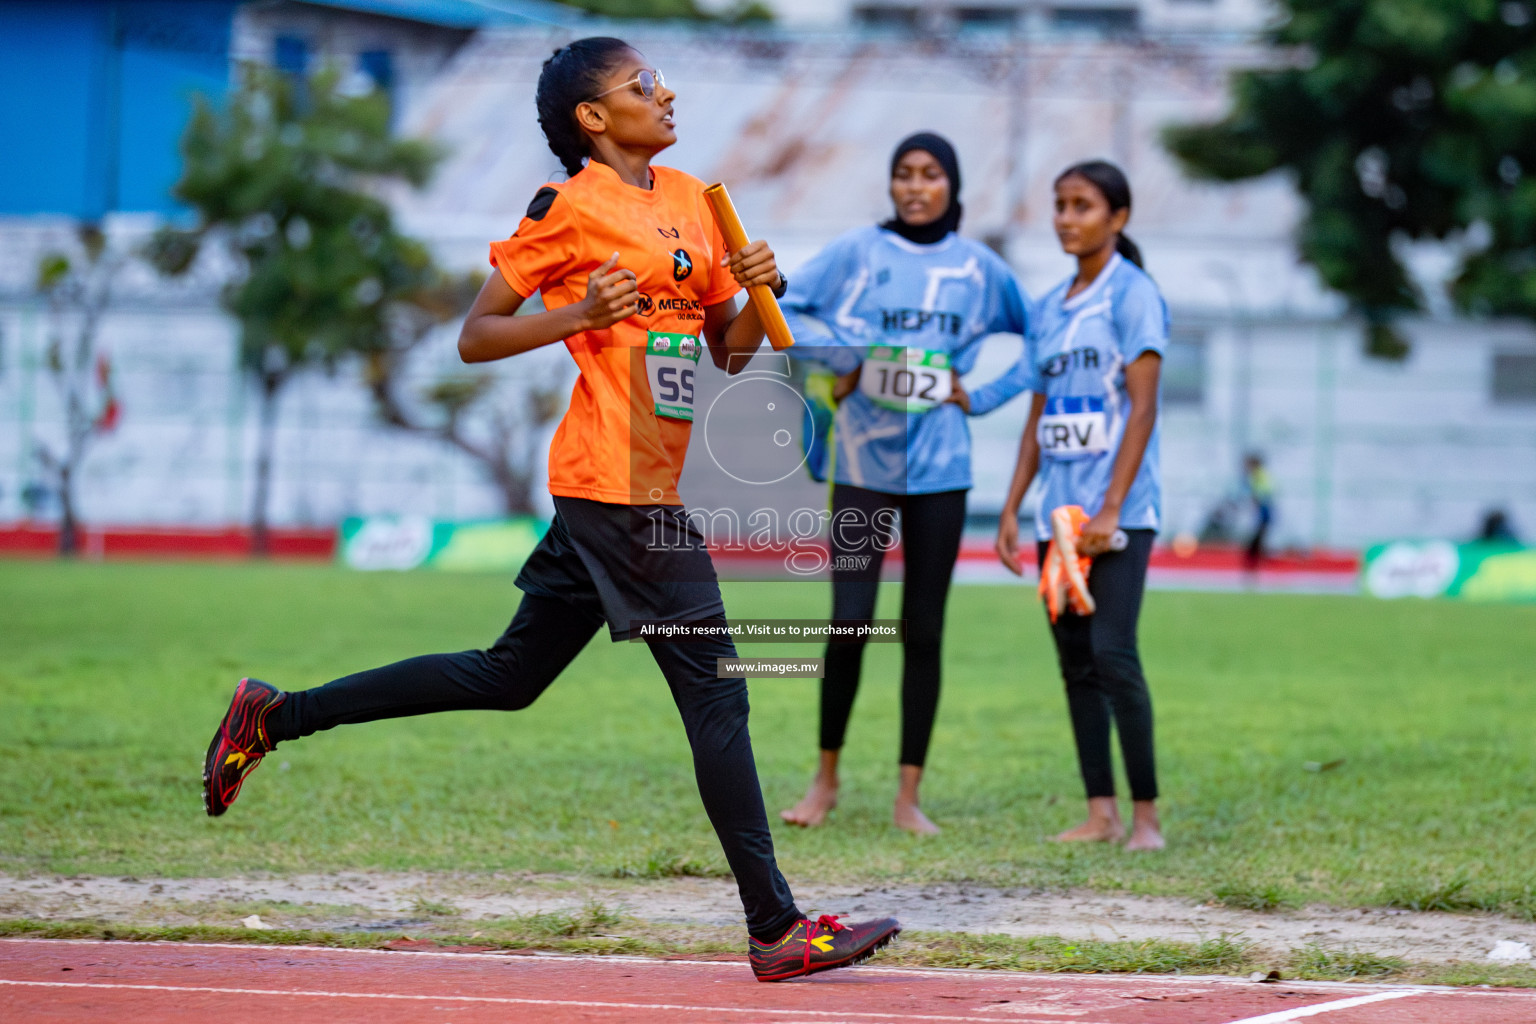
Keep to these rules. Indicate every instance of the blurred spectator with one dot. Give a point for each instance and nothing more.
(1220, 526)
(1261, 492)
(1496, 528)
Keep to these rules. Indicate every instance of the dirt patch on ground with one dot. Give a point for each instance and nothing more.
(369, 902)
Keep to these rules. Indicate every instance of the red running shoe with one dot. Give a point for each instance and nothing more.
(819, 945)
(239, 745)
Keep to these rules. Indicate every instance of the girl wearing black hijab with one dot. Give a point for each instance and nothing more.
(899, 311)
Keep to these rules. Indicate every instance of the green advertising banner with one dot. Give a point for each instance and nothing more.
(416, 542)
(1439, 568)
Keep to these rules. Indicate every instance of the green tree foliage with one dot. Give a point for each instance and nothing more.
(1398, 120)
(287, 178)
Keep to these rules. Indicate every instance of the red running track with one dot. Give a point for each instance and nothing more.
(50, 981)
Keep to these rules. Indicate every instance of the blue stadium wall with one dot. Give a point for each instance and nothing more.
(94, 97)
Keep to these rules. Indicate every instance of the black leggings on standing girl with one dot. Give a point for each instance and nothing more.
(931, 525)
(1102, 669)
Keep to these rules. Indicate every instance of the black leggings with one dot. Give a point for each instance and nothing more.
(543, 638)
(930, 540)
(1102, 670)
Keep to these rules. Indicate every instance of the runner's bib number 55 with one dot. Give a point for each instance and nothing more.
(671, 361)
(905, 379)
(1073, 428)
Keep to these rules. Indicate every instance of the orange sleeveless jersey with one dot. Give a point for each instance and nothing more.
(612, 446)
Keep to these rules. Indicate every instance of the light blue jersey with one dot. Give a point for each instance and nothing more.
(1077, 356)
(871, 297)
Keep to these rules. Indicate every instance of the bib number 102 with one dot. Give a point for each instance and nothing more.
(905, 384)
(906, 379)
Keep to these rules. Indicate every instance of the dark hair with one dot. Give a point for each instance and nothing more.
(1111, 183)
(573, 74)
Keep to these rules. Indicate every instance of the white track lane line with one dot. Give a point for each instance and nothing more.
(1315, 1009)
(972, 973)
(819, 1016)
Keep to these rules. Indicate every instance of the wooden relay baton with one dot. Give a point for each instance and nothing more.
(761, 295)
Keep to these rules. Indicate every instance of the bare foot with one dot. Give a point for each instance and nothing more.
(911, 817)
(1094, 830)
(1103, 824)
(908, 814)
(1146, 832)
(813, 807)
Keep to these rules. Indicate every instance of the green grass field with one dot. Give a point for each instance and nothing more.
(113, 677)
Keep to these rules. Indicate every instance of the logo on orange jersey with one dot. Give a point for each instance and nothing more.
(646, 304)
(682, 265)
(668, 233)
(683, 309)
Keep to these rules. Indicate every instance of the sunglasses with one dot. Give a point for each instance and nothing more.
(648, 81)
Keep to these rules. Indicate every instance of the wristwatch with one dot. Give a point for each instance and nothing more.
(782, 287)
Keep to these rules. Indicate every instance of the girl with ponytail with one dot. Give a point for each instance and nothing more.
(635, 280)
(1095, 354)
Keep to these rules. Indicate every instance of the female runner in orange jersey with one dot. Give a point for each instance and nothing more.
(619, 228)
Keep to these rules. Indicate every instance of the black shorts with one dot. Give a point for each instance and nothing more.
(627, 563)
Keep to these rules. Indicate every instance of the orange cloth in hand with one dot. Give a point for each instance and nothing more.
(1064, 574)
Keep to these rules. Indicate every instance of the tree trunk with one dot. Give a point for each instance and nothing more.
(69, 526)
(266, 430)
(516, 488)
